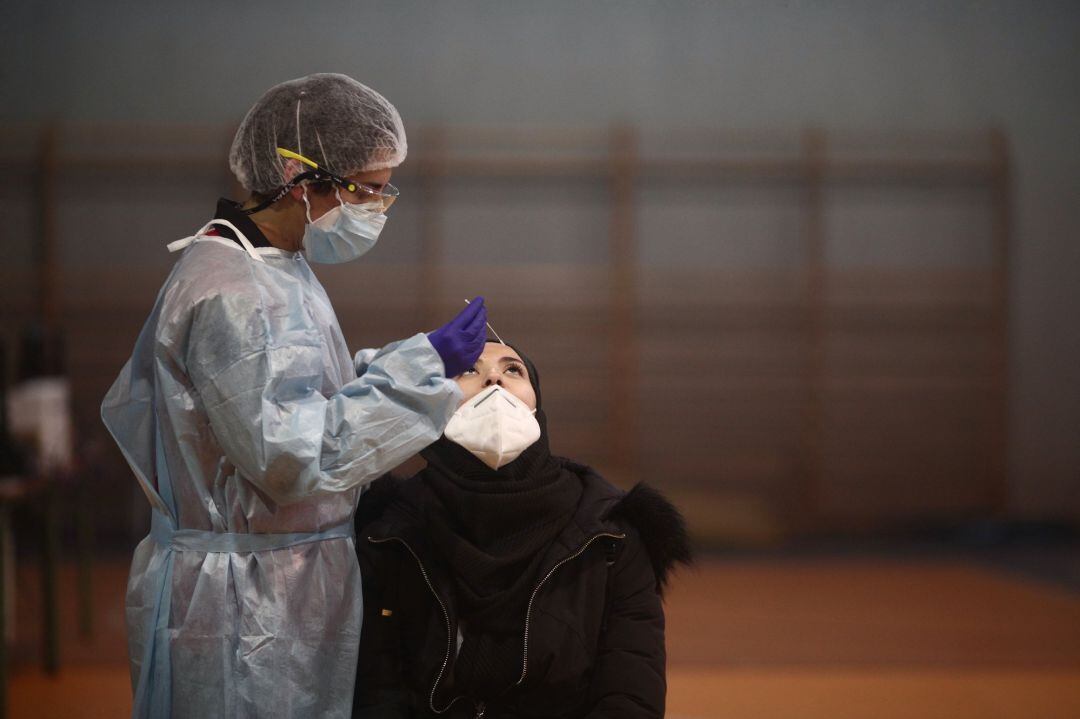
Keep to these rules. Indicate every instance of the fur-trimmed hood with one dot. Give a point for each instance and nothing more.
(661, 527)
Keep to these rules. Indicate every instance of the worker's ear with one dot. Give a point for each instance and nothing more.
(289, 169)
(297, 193)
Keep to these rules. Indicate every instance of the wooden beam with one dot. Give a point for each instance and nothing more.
(623, 344)
(1002, 241)
(48, 264)
(808, 494)
(432, 171)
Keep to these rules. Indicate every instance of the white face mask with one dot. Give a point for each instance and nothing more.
(343, 233)
(495, 426)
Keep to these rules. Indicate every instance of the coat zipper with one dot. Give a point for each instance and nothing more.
(481, 707)
(446, 618)
(536, 590)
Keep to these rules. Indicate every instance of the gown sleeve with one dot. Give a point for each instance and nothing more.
(260, 381)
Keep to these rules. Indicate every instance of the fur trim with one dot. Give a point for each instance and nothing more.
(662, 529)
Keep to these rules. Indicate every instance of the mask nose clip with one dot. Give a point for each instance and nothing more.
(495, 431)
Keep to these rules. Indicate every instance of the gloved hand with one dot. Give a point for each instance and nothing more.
(461, 340)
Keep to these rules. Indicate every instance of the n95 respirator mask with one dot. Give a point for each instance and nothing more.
(495, 426)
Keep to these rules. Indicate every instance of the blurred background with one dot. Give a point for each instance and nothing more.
(811, 269)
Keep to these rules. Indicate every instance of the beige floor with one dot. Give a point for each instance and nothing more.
(748, 639)
(874, 694)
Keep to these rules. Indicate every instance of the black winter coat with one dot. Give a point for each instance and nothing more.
(594, 630)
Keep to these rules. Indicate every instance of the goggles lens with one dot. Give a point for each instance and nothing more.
(384, 196)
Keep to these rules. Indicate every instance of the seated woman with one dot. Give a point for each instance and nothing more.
(506, 582)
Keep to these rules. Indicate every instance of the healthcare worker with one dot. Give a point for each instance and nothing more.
(252, 431)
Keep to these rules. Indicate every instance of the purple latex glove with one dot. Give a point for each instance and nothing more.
(461, 340)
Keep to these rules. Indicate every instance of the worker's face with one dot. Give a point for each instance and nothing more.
(322, 199)
(498, 365)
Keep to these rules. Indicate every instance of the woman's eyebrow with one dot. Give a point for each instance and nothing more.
(510, 359)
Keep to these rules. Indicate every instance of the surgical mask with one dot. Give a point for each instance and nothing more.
(344, 233)
(495, 426)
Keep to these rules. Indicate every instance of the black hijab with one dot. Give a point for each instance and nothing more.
(492, 528)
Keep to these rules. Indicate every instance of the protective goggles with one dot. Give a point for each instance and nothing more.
(384, 197)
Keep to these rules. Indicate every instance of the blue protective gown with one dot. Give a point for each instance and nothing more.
(252, 432)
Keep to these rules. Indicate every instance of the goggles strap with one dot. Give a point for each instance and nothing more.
(314, 175)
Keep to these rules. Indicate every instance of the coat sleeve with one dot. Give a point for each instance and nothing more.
(629, 678)
(260, 380)
(380, 691)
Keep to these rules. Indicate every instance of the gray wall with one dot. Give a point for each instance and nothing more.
(868, 65)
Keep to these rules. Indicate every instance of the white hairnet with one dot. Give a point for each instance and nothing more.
(331, 119)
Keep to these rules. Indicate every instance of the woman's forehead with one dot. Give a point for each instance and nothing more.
(495, 352)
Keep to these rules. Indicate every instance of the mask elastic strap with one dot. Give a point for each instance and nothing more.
(337, 194)
(307, 204)
(307, 207)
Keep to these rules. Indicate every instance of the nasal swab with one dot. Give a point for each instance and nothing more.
(490, 328)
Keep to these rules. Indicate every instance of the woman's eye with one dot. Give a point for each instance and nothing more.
(516, 369)
(471, 370)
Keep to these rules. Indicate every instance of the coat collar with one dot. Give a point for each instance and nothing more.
(392, 508)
